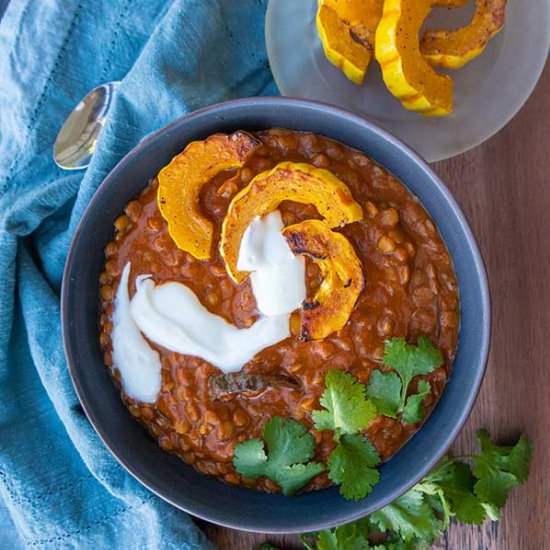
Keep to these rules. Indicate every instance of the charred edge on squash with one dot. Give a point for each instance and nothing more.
(243, 148)
(356, 38)
(299, 246)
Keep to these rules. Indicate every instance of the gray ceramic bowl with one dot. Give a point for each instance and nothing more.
(166, 475)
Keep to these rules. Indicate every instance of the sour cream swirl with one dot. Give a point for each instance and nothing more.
(171, 316)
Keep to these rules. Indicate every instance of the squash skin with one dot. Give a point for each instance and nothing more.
(341, 270)
(181, 181)
(454, 49)
(294, 181)
(406, 73)
(347, 29)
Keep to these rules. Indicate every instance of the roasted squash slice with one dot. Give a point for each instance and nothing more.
(406, 73)
(347, 29)
(453, 49)
(180, 183)
(290, 181)
(342, 273)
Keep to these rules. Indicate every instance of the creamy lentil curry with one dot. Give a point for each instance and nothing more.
(409, 290)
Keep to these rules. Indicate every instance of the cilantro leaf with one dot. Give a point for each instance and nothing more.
(384, 390)
(327, 540)
(288, 442)
(352, 465)
(499, 469)
(388, 390)
(351, 536)
(250, 459)
(342, 538)
(293, 478)
(410, 361)
(289, 445)
(412, 413)
(347, 408)
(410, 516)
(453, 482)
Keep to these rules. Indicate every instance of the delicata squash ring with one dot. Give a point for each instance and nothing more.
(181, 181)
(453, 49)
(406, 72)
(342, 273)
(347, 29)
(292, 181)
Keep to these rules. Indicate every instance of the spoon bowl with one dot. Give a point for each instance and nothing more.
(75, 143)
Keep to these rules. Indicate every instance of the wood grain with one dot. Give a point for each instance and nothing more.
(503, 187)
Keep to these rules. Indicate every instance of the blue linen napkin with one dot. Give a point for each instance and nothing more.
(61, 486)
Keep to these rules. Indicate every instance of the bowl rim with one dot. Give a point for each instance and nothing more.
(485, 307)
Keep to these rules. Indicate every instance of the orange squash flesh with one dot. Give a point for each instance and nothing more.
(291, 181)
(453, 49)
(342, 277)
(347, 30)
(406, 72)
(362, 16)
(181, 181)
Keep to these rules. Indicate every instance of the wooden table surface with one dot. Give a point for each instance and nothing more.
(503, 187)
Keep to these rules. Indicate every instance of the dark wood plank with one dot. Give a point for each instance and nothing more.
(504, 188)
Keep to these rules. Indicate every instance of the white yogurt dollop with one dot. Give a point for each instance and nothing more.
(138, 364)
(277, 275)
(171, 316)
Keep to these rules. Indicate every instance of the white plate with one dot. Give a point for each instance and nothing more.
(489, 91)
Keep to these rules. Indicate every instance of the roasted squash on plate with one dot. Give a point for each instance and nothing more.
(406, 73)
(350, 30)
(347, 29)
(453, 49)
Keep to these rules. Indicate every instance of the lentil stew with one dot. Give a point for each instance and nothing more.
(410, 291)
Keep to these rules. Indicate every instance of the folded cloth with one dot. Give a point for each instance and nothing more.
(61, 486)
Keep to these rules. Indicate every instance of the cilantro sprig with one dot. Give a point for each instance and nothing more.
(453, 489)
(348, 407)
(289, 448)
(347, 411)
(388, 390)
(498, 470)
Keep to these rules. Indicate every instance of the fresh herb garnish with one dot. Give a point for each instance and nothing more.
(498, 470)
(352, 536)
(347, 409)
(409, 518)
(453, 489)
(352, 464)
(347, 412)
(414, 407)
(289, 448)
(388, 390)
